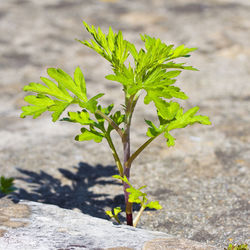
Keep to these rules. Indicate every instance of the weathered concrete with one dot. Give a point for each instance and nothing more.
(32, 226)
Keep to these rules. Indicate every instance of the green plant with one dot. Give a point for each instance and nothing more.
(6, 185)
(149, 72)
(237, 247)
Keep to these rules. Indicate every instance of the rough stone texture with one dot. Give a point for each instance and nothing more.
(176, 244)
(2, 232)
(203, 182)
(51, 227)
(12, 215)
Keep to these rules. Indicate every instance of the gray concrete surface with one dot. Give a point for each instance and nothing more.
(203, 182)
(36, 226)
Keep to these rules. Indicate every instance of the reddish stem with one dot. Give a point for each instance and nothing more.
(126, 149)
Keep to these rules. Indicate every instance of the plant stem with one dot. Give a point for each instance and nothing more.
(126, 151)
(117, 219)
(136, 220)
(111, 122)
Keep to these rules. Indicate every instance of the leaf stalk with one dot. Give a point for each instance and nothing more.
(137, 218)
(111, 122)
(114, 153)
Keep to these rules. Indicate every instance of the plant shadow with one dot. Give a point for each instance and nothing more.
(76, 193)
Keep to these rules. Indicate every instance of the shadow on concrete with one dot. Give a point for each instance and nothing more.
(76, 194)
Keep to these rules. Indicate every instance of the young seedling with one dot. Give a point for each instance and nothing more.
(6, 185)
(150, 72)
(232, 246)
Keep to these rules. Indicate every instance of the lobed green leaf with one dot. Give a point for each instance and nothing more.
(153, 131)
(125, 179)
(46, 94)
(88, 135)
(78, 88)
(134, 195)
(170, 139)
(111, 46)
(181, 51)
(117, 210)
(174, 118)
(172, 65)
(91, 104)
(80, 117)
(58, 108)
(39, 104)
(126, 78)
(154, 205)
(188, 118)
(109, 213)
(114, 215)
(80, 83)
(52, 89)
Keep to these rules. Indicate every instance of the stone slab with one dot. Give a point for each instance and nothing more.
(42, 227)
